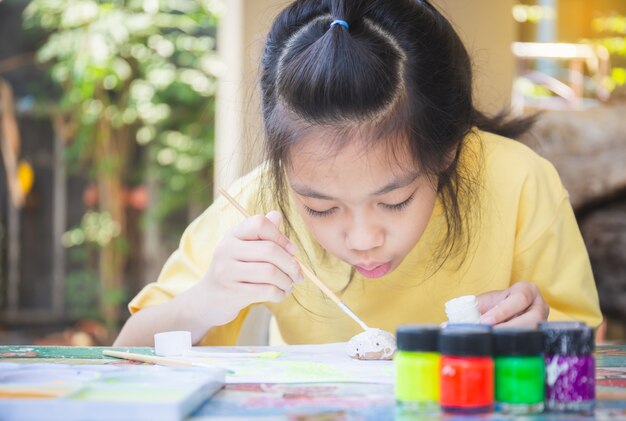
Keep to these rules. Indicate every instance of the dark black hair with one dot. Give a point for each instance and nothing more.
(399, 70)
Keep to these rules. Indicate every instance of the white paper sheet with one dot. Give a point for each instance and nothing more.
(294, 364)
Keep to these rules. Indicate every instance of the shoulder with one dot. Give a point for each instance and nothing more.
(249, 191)
(518, 187)
(513, 157)
(512, 166)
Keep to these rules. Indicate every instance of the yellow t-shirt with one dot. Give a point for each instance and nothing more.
(524, 230)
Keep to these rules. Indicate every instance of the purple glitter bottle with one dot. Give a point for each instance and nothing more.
(570, 367)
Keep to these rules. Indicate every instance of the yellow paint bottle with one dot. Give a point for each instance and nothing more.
(417, 364)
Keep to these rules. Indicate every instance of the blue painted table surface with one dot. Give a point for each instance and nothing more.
(340, 401)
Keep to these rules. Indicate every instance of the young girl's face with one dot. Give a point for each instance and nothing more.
(367, 204)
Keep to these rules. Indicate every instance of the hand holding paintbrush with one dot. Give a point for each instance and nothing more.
(306, 270)
(372, 344)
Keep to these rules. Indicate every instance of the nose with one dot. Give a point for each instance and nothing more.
(364, 234)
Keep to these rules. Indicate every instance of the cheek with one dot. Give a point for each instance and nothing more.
(408, 226)
(404, 233)
(325, 231)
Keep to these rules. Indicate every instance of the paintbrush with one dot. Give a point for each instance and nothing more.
(157, 360)
(306, 270)
(250, 354)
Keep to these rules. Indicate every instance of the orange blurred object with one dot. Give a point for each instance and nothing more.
(25, 177)
(136, 197)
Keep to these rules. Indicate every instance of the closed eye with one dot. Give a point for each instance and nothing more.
(399, 206)
(393, 207)
(314, 212)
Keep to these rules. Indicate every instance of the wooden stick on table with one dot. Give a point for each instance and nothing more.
(305, 269)
(154, 359)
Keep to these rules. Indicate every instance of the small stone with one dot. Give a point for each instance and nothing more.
(372, 344)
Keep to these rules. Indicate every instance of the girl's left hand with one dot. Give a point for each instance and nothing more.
(521, 305)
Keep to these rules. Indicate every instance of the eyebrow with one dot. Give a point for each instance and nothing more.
(399, 182)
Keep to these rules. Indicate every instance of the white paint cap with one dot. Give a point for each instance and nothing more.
(463, 310)
(171, 344)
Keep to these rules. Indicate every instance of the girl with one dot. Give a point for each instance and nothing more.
(389, 184)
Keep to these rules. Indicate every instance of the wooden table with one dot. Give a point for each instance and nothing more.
(334, 400)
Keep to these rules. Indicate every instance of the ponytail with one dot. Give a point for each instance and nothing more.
(329, 73)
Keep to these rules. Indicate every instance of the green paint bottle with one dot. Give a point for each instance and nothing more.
(520, 370)
(417, 364)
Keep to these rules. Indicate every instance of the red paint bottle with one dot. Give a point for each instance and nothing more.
(467, 370)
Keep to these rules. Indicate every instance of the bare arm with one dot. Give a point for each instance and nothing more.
(253, 263)
(176, 314)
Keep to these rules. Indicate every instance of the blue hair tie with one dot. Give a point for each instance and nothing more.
(340, 22)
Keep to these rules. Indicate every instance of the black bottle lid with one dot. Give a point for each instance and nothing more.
(469, 342)
(517, 342)
(567, 338)
(418, 338)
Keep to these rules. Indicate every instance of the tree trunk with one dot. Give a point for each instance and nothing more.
(112, 160)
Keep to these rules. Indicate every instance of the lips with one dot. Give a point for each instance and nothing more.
(375, 270)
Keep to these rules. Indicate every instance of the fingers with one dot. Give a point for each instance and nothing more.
(510, 307)
(262, 293)
(490, 299)
(262, 273)
(259, 227)
(537, 313)
(275, 217)
(270, 252)
(517, 300)
(253, 263)
(256, 252)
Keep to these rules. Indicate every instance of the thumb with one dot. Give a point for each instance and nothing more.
(275, 217)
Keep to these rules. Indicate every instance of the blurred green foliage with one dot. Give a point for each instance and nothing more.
(136, 86)
(611, 32)
(97, 228)
(83, 289)
(149, 65)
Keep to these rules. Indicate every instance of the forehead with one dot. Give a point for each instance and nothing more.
(323, 155)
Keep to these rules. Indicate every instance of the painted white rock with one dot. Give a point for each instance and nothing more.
(372, 344)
